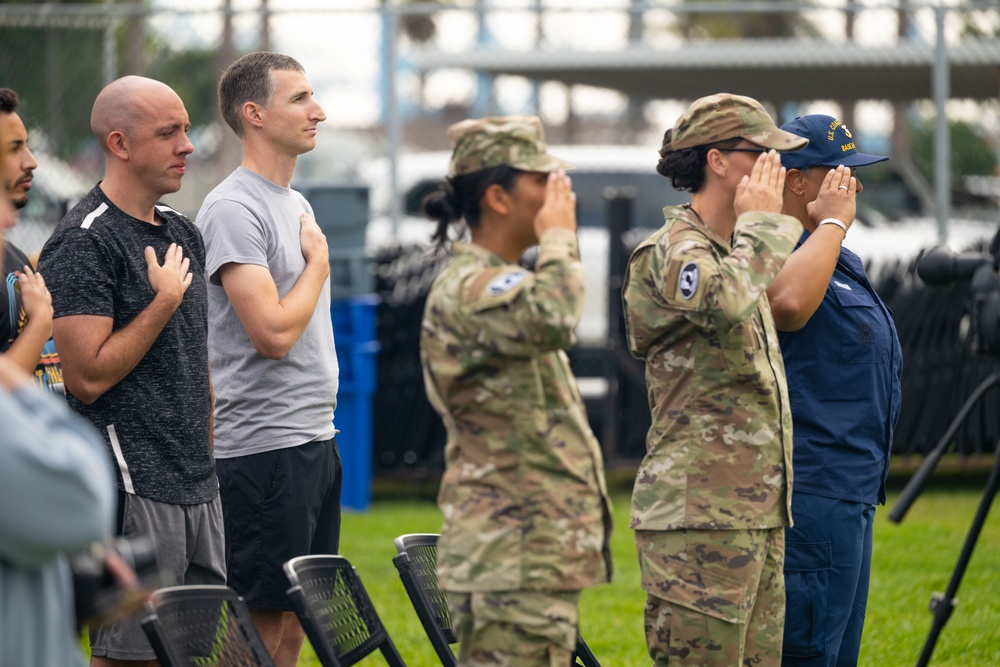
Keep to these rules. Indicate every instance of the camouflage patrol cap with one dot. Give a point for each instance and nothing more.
(726, 116)
(514, 141)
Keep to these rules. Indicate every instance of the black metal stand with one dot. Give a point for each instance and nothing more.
(942, 604)
(619, 202)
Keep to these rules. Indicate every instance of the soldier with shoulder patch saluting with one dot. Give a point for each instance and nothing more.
(712, 494)
(527, 517)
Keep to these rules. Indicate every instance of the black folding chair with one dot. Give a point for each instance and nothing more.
(417, 565)
(198, 626)
(336, 612)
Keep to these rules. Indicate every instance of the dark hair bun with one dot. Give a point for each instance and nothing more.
(441, 205)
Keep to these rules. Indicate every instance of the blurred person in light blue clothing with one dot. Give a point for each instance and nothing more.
(56, 496)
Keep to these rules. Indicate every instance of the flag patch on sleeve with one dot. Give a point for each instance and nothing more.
(688, 283)
(505, 283)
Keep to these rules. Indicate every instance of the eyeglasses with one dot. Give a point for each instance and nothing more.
(743, 150)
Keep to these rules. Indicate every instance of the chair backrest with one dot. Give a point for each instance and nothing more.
(584, 656)
(417, 566)
(336, 612)
(203, 626)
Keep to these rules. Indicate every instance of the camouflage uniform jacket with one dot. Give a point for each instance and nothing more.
(719, 450)
(523, 495)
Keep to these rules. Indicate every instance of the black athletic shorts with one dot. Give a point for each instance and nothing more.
(278, 505)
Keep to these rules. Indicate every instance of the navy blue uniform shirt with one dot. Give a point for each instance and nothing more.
(843, 370)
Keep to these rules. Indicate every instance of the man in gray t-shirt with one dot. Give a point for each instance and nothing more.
(271, 350)
(248, 220)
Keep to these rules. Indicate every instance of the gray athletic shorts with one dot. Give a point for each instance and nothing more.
(190, 550)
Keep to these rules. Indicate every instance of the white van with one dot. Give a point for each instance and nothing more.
(597, 168)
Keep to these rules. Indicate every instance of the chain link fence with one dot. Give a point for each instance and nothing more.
(599, 73)
(917, 80)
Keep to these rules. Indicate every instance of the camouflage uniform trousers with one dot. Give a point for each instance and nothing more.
(515, 628)
(715, 598)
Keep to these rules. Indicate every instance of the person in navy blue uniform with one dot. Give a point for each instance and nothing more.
(843, 362)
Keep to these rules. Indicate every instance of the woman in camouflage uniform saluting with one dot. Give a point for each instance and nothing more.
(526, 512)
(712, 494)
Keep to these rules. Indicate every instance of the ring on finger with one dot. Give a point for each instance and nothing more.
(843, 187)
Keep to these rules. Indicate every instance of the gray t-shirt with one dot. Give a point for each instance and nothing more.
(262, 404)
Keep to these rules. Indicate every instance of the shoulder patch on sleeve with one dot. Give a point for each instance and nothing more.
(505, 283)
(688, 281)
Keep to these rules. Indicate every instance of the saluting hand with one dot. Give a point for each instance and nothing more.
(559, 207)
(762, 190)
(837, 197)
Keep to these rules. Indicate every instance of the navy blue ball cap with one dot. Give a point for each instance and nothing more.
(830, 144)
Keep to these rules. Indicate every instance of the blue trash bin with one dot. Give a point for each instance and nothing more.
(354, 331)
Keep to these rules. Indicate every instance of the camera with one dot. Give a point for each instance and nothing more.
(99, 598)
(980, 328)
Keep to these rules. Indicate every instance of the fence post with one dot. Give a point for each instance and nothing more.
(619, 203)
(390, 23)
(942, 138)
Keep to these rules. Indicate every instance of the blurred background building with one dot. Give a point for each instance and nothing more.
(915, 79)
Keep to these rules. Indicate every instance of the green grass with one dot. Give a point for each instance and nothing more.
(912, 560)
(611, 616)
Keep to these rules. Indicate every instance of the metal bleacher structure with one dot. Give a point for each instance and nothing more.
(939, 371)
(783, 52)
(774, 69)
(917, 59)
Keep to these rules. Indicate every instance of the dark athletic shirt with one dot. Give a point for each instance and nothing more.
(155, 421)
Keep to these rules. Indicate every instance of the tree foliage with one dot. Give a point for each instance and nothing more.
(971, 154)
(194, 75)
(57, 73)
(760, 25)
